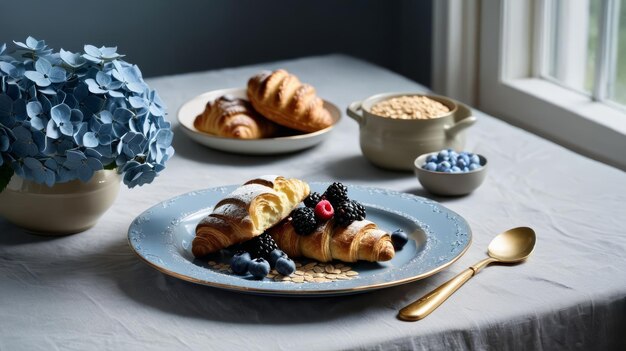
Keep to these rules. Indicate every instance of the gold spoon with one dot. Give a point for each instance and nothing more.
(512, 246)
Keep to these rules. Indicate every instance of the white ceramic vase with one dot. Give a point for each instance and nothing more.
(62, 209)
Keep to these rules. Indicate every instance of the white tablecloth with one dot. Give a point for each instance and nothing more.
(89, 291)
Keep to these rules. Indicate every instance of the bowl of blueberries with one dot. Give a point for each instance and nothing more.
(450, 173)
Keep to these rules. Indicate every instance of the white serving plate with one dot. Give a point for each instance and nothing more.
(267, 146)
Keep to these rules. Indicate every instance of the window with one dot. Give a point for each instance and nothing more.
(554, 67)
(586, 47)
(571, 43)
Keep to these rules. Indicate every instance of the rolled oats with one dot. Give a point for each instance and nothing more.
(318, 269)
(410, 107)
(313, 272)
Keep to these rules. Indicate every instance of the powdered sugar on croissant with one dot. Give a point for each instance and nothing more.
(247, 212)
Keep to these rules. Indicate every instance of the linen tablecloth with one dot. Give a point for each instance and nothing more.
(89, 290)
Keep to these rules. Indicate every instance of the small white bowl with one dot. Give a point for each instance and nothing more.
(449, 184)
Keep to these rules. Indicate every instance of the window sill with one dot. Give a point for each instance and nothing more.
(564, 116)
(574, 102)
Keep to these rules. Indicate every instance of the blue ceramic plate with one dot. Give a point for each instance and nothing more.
(162, 236)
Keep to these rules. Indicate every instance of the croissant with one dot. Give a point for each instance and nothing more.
(234, 118)
(361, 240)
(247, 212)
(280, 97)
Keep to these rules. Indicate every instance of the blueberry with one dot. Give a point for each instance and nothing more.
(465, 157)
(442, 155)
(240, 263)
(461, 163)
(473, 166)
(431, 158)
(275, 255)
(430, 166)
(285, 266)
(475, 159)
(399, 239)
(259, 268)
(453, 154)
(465, 169)
(455, 169)
(443, 166)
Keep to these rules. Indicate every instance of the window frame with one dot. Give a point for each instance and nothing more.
(509, 84)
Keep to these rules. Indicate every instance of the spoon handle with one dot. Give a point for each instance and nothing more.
(424, 306)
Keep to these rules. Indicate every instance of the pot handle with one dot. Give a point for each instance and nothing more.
(454, 129)
(355, 111)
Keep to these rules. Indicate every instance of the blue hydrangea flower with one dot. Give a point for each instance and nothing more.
(88, 103)
(11, 111)
(140, 124)
(35, 111)
(104, 84)
(102, 54)
(79, 134)
(149, 100)
(131, 145)
(107, 152)
(84, 164)
(64, 115)
(138, 174)
(16, 71)
(57, 147)
(45, 74)
(41, 172)
(160, 147)
(38, 47)
(158, 123)
(28, 142)
(130, 76)
(119, 120)
(6, 139)
(100, 133)
(60, 122)
(71, 59)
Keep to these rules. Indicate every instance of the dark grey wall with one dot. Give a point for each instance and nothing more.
(175, 36)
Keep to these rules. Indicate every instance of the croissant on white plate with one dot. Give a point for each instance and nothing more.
(283, 99)
(231, 117)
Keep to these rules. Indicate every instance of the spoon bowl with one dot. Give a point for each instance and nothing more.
(514, 245)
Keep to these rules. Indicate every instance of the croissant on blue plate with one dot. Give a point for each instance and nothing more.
(248, 212)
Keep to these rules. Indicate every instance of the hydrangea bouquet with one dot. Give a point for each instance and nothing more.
(64, 116)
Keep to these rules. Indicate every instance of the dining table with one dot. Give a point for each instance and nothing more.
(90, 291)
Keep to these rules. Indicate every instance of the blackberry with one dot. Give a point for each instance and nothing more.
(348, 212)
(261, 246)
(336, 194)
(303, 220)
(312, 200)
